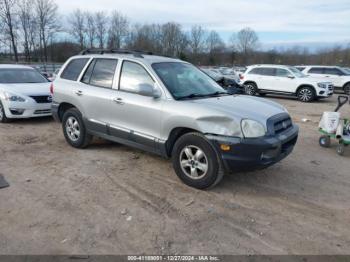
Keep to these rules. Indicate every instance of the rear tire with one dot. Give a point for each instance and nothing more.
(196, 162)
(250, 89)
(325, 141)
(3, 117)
(306, 94)
(74, 129)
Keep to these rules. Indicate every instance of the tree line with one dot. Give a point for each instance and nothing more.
(31, 31)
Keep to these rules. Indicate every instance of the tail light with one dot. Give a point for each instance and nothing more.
(51, 88)
(241, 76)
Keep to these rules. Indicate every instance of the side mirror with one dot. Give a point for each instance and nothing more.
(149, 90)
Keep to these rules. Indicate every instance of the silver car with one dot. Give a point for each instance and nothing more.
(171, 108)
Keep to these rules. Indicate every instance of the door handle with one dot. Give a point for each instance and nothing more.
(79, 93)
(118, 100)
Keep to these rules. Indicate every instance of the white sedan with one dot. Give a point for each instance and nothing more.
(24, 93)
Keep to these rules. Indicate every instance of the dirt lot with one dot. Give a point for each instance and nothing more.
(111, 199)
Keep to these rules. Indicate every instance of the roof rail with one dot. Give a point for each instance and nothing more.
(136, 53)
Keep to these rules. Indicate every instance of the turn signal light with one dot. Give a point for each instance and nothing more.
(225, 147)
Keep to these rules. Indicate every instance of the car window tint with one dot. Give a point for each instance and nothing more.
(74, 68)
(282, 72)
(132, 75)
(316, 70)
(255, 71)
(87, 76)
(103, 73)
(267, 71)
(332, 71)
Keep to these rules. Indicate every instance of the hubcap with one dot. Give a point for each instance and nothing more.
(305, 95)
(73, 128)
(250, 90)
(193, 162)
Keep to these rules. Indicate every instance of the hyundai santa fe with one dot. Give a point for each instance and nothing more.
(171, 108)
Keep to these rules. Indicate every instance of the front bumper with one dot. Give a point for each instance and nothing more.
(255, 153)
(26, 109)
(324, 93)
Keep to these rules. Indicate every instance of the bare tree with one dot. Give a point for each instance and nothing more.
(77, 22)
(118, 30)
(46, 12)
(247, 42)
(10, 23)
(101, 23)
(197, 39)
(90, 28)
(173, 39)
(214, 42)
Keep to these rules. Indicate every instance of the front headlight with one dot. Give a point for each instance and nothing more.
(322, 85)
(14, 98)
(252, 128)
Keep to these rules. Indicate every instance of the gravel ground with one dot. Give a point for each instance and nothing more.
(111, 199)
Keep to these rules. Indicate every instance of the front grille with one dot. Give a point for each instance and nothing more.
(42, 99)
(42, 112)
(279, 123)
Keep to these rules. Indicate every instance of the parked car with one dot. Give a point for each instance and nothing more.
(284, 80)
(229, 84)
(335, 74)
(24, 93)
(171, 108)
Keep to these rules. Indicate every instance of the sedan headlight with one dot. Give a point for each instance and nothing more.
(14, 98)
(322, 85)
(252, 128)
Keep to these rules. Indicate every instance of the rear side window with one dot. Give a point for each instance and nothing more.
(74, 68)
(332, 71)
(100, 73)
(255, 71)
(132, 76)
(316, 70)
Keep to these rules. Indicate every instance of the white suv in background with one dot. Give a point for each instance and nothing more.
(284, 80)
(337, 75)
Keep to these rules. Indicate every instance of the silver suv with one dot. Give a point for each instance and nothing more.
(171, 108)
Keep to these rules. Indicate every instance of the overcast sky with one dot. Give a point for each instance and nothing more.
(276, 21)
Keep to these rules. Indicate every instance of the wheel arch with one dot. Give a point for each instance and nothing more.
(347, 83)
(63, 107)
(174, 135)
(306, 85)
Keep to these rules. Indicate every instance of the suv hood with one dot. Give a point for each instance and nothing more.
(240, 106)
(27, 88)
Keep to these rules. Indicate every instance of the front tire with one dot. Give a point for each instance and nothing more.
(306, 94)
(74, 129)
(3, 118)
(196, 162)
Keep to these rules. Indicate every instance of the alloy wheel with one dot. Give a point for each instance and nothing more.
(250, 90)
(73, 128)
(193, 162)
(305, 95)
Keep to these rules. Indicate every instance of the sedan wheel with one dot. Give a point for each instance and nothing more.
(73, 128)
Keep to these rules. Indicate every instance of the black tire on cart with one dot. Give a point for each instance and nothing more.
(325, 141)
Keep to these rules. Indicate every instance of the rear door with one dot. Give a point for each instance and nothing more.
(96, 93)
(334, 75)
(284, 81)
(266, 78)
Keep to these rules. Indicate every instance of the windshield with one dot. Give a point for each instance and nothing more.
(186, 81)
(296, 72)
(19, 76)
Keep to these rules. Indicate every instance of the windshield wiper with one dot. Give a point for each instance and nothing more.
(195, 95)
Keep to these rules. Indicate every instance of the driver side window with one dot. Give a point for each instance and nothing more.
(132, 76)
